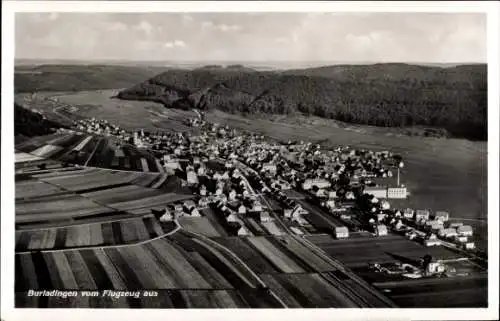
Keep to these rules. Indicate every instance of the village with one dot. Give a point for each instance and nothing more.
(251, 182)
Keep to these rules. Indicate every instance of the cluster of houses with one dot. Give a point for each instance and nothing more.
(100, 127)
(421, 225)
(174, 211)
(233, 215)
(226, 169)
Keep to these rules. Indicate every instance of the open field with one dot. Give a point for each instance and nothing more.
(87, 150)
(355, 252)
(35, 188)
(181, 262)
(268, 255)
(200, 225)
(249, 254)
(215, 221)
(459, 292)
(70, 196)
(129, 114)
(308, 291)
(159, 264)
(127, 231)
(56, 208)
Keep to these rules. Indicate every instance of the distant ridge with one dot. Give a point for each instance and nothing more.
(382, 94)
(260, 65)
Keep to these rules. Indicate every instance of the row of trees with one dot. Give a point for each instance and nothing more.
(451, 101)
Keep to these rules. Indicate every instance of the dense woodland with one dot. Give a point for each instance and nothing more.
(389, 95)
(28, 123)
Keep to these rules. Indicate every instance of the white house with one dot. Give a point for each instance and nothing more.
(385, 205)
(257, 207)
(435, 267)
(203, 190)
(167, 217)
(341, 232)
(332, 194)
(432, 242)
(381, 230)
(194, 212)
(203, 202)
(319, 182)
(465, 230)
(232, 195)
(265, 217)
(189, 204)
(330, 203)
(242, 209)
(442, 216)
(448, 232)
(320, 193)
(192, 178)
(469, 246)
(243, 231)
(408, 213)
(434, 225)
(422, 215)
(350, 195)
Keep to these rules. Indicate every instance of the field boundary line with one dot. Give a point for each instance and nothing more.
(91, 247)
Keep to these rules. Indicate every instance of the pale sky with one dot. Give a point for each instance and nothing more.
(295, 37)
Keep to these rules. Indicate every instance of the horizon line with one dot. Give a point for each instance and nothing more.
(318, 63)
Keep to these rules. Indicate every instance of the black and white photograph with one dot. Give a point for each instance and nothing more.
(307, 159)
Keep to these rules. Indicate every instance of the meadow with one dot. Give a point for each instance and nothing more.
(458, 292)
(124, 231)
(357, 252)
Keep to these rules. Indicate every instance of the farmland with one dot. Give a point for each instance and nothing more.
(72, 195)
(377, 249)
(190, 267)
(462, 292)
(125, 231)
(82, 149)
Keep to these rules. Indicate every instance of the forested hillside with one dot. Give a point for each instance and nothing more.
(28, 123)
(452, 98)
